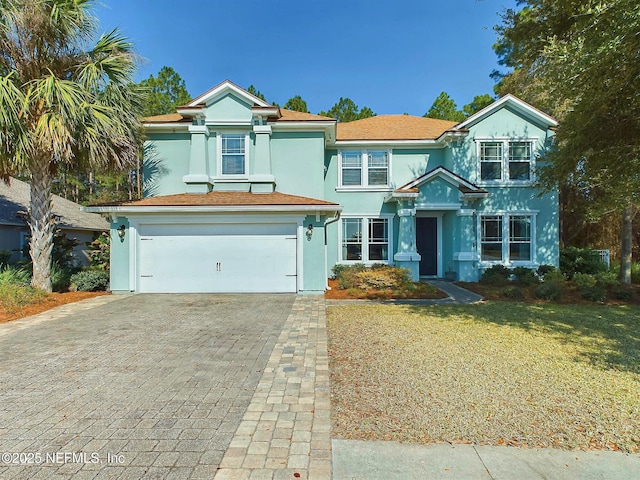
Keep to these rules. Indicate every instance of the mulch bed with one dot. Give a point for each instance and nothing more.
(353, 294)
(51, 300)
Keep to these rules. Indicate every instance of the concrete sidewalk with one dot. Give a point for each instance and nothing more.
(360, 460)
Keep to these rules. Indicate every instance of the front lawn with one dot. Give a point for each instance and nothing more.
(495, 373)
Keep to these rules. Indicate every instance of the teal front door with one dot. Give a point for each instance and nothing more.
(427, 245)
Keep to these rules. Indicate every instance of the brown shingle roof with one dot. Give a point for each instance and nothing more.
(293, 116)
(393, 127)
(168, 118)
(225, 199)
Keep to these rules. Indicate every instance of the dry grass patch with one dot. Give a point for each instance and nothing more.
(494, 373)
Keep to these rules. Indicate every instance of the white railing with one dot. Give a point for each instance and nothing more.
(605, 257)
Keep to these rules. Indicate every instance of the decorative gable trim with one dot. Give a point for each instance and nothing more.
(463, 185)
(224, 88)
(513, 102)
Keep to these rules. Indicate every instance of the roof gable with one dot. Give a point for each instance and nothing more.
(223, 89)
(441, 173)
(513, 102)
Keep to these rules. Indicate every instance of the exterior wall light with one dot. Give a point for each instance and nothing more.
(309, 231)
(122, 231)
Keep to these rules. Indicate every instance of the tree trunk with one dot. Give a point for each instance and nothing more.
(42, 225)
(626, 244)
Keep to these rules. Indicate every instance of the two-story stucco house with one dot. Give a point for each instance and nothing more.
(243, 196)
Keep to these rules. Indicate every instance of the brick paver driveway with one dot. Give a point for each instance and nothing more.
(145, 386)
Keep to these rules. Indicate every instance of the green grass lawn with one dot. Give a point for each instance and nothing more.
(497, 373)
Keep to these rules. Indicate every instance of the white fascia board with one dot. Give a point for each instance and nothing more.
(167, 126)
(389, 143)
(518, 104)
(400, 195)
(310, 125)
(214, 209)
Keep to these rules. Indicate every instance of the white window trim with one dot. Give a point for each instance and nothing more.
(505, 181)
(365, 239)
(505, 216)
(365, 172)
(219, 135)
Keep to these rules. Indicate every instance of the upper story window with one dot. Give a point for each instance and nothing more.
(233, 154)
(364, 168)
(506, 160)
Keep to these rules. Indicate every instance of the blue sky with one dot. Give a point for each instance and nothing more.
(394, 56)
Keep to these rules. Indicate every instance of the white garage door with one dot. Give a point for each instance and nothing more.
(191, 258)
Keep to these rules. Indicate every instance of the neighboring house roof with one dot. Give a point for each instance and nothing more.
(393, 127)
(15, 198)
(221, 201)
(285, 116)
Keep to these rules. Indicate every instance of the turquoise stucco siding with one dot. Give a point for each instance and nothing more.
(119, 252)
(297, 163)
(166, 162)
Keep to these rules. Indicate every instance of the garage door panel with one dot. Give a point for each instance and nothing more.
(226, 260)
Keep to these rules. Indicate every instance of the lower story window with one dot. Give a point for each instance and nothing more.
(506, 238)
(365, 239)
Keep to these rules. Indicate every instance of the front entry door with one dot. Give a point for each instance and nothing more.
(427, 245)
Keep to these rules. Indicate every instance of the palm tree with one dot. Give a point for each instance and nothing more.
(62, 103)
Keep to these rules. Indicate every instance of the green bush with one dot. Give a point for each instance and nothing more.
(60, 278)
(555, 276)
(16, 295)
(584, 280)
(525, 276)
(622, 293)
(5, 256)
(580, 260)
(594, 294)
(544, 269)
(497, 275)
(607, 279)
(512, 292)
(379, 277)
(549, 291)
(99, 252)
(15, 276)
(90, 280)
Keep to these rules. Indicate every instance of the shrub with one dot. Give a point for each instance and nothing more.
(594, 294)
(90, 280)
(624, 294)
(607, 279)
(544, 269)
(580, 260)
(99, 252)
(60, 278)
(16, 295)
(5, 256)
(525, 276)
(512, 292)
(549, 291)
(497, 275)
(383, 278)
(555, 276)
(584, 280)
(15, 276)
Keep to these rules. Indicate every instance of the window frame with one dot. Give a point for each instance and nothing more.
(506, 160)
(366, 240)
(506, 238)
(365, 169)
(220, 154)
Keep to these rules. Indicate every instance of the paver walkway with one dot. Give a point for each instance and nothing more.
(143, 386)
(286, 431)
